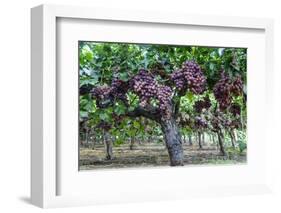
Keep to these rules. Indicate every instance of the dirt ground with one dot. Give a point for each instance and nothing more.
(151, 155)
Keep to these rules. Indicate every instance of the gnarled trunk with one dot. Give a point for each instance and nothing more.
(199, 140)
(183, 138)
(203, 138)
(173, 141)
(94, 142)
(170, 131)
(87, 136)
(233, 138)
(221, 141)
(189, 139)
(132, 143)
(108, 146)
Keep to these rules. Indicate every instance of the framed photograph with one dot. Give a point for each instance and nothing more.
(130, 106)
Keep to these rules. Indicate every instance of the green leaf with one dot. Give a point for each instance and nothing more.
(83, 114)
(136, 124)
(123, 76)
(118, 141)
(119, 109)
(131, 132)
(89, 56)
(212, 66)
(104, 116)
(190, 96)
(242, 146)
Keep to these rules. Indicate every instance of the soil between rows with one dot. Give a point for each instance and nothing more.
(152, 155)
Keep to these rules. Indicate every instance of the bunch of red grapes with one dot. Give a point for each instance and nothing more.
(220, 120)
(147, 88)
(85, 89)
(202, 104)
(231, 123)
(104, 125)
(217, 121)
(225, 88)
(191, 77)
(237, 86)
(119, 89)
(200, 122)
(117, 119)
(234, 124)
(105, 95)
(235, 109)
(185, 121)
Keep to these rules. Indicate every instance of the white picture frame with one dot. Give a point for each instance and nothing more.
(45, 166)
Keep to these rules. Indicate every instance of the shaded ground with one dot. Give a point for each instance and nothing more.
(150, 155)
